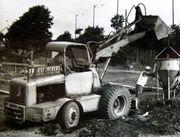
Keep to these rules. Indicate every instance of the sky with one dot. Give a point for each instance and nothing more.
(64, 12)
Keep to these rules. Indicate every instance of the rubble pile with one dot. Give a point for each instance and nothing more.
(108, 128)
(50, 129)
(155, 118)
(163, 117)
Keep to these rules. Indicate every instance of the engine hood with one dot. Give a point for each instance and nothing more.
(40, 81)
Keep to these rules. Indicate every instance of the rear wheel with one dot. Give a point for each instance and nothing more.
(115, 102)
(69, 115)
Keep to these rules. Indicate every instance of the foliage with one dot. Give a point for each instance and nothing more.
(174, 40)
(1, 36)
(66, 36)
(117, 22)
(91, 34)
(2, 45)
(31, 31)
(78, 31)
(176, 28)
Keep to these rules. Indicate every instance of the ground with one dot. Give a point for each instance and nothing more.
(155, 118)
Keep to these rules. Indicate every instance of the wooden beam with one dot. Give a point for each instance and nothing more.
(4, 92)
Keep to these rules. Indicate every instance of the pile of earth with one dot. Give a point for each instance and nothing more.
(163, 117)
(155, 118)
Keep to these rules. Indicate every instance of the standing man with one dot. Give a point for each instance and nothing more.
(142, 80)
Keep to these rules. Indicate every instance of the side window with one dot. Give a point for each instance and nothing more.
(56, 59)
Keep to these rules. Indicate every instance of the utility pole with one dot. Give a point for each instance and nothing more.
(75, 25)
(94, 13)
(117, 7)
(126, 19)
(94, 10)
(173, 12)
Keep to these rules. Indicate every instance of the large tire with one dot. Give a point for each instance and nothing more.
(115, 102)
(69, 115)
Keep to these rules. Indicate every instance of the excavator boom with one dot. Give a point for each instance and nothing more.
(152, 27)
(115, 47)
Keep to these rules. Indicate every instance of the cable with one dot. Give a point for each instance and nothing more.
(133, 7)
(144, 8)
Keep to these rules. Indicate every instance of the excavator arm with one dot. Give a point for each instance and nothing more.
(115, 47)
(152, 26)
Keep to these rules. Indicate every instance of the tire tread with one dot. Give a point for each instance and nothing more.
(107, 92)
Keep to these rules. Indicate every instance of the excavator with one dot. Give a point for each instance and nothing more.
(70, 85)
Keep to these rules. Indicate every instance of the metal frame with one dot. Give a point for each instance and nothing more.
(168, 75)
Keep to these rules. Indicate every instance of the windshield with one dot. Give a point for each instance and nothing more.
(77, 57)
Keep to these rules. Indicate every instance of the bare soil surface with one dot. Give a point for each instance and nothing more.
(155, 118)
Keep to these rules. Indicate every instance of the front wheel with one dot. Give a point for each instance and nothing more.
(69, 115)
(115, 102)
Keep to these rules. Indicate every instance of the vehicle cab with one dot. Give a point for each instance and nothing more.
(73, 56)
(66, 78)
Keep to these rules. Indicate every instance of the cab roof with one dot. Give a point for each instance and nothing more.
(61, 45)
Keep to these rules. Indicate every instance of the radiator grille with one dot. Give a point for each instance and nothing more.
(17, 94)
(14, 112)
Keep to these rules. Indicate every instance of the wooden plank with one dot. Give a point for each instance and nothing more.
(120, 71)
(14, 64)
(4, 92)
(146, 88)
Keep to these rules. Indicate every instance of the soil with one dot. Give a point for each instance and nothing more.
(154, 118)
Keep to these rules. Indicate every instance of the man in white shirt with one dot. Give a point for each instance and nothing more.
(142, 80)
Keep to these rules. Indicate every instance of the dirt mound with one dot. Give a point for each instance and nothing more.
(155, 118)
(109, 128)
(163, 117)
(50, 129)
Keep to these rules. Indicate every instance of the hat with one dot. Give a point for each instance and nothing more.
(147, 68)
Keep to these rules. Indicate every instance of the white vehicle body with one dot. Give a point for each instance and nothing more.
(25, 103)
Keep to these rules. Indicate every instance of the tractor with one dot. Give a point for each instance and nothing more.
(69, 84)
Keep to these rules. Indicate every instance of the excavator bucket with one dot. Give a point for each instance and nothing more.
(153, 25)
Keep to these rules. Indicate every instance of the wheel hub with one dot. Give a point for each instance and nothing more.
(72, 115)
(119, 105)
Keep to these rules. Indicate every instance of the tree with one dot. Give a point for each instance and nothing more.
(66, 36)
(31, 31)
(91, 34)
(1, 37)
(117, 22)
(174, 40)
(176, 28)
(78, 31)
